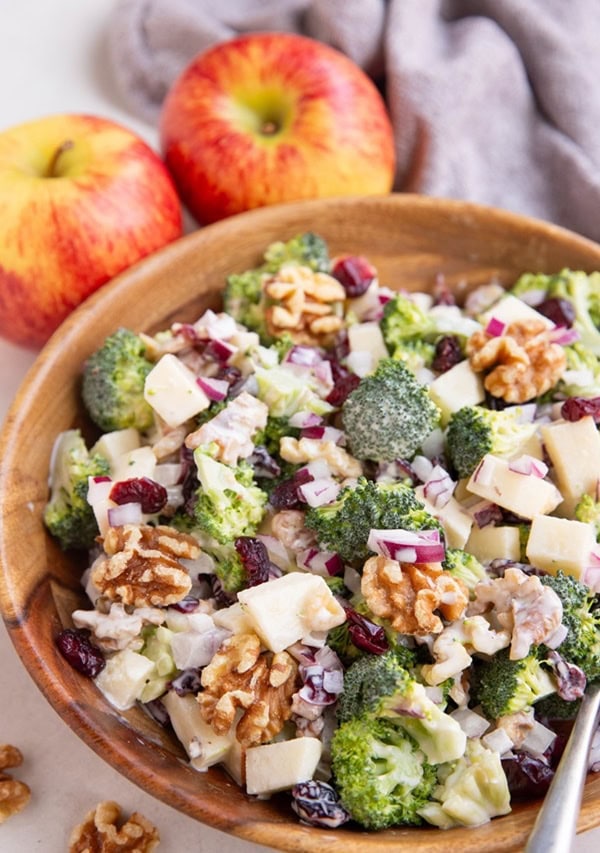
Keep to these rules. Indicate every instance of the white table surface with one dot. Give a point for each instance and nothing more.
(52, 60)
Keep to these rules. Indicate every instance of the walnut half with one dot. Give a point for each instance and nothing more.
(259, 683)
(409, 594)
(142, 567)
(104, 831)
(14, 795)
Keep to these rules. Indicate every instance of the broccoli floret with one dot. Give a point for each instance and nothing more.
(67, 515)
(113, 383)
(582, 620)
(389, 415)
(587, 510)
(415, 354)
(307, 249)
(553, 707)
(582, 375)
(274, 431)
(531, 287)
(344, 525)
(228, 502)
(464, 566)
(230, 570)
(244, 297)
(504, 686)
(404, 321)
(380, 686)
(474, 431)
(472, 791)
(381, 776)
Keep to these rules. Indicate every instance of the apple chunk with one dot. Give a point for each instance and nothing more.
(281, 765)
(560, 543)
(574, 450)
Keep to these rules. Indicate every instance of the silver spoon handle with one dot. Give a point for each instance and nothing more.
(555, 825)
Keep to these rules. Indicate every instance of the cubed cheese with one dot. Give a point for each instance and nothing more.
(172, 391)
(524, 494)
(456, 522)
(460, 386)
(202, 744)
(290, 608)
(560, 543)
(281, 765)
(123, 678)
(574, 450)
(234, 762)
(367, 338)
(233, 619)
(494, 543)
(139, 462)
(510, 308)
(117, 443)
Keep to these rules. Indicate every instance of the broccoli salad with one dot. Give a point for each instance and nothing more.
(343, 539)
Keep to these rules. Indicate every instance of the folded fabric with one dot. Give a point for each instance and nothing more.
(494, 101)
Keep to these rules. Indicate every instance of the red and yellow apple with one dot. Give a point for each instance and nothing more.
(274, 117)
(81, 199)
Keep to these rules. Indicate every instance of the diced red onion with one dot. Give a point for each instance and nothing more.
(221, 349)
(215, 389)
(472, 723)
(563, 336)
(319, 492)
(591, 577)
(498, 740)
(304, 356)
(215, 325)
(407, 546)
(495, 327)
(439, 487)
(422, 466)
(434, 444)
(352, 579)
(324, 563)
(528, 465)
(129, 513)
(99, 489)
(303, 420)
(360, 362)
(317, 468)
(323, 375)
(324, 433)
(385, 294)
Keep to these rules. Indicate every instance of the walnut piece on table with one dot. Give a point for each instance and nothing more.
(260, 684)
(409, 594)
(142, 567)
(14, 795)
(103, 830)
(521, 363)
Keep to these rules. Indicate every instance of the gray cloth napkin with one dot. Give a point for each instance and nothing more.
(493, 101)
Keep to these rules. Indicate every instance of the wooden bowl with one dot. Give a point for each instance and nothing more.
(411, 240)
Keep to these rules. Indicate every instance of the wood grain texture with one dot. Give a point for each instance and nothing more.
(411, 240)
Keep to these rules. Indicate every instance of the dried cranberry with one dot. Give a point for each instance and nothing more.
(355, 274)
(317, 803)
(571, 679)
(285, 495)
(447, 353)
(528, 777)
(560, 311)
(150, 494)
(157, 711)
(576, 408)
(229, 373)
(188, 681)
(365, 635)
(343, 387)
(77, 648)
(255, 558)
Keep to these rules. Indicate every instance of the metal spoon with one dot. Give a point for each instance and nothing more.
(555, 825)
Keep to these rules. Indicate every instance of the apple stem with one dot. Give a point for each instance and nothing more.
(52, 170)
(269, 128)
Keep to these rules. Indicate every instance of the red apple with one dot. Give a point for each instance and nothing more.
(81, 199)
(274, 117)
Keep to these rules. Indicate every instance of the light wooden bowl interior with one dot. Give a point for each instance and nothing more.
(411, 240)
